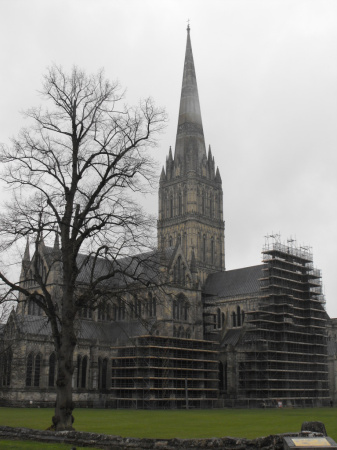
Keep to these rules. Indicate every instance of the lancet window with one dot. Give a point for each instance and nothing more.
(82, 365)
(102, 373)
(33, 369)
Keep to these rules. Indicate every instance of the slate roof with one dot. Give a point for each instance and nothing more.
(33, 325)
(143, 268)
(107, 332)
(232, 283)
(232, 337)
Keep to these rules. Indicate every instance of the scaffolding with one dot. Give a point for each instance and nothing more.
(284, 354)
(164, 372)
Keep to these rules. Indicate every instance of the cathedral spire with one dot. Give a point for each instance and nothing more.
(26, 256)
(190, 135)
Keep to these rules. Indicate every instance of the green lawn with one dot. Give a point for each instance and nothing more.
(249, 423)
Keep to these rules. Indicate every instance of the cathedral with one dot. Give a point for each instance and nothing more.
(250, 337)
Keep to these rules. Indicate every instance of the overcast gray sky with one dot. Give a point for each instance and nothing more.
(267, 78)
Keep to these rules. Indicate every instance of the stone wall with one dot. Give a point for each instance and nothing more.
(75, 438)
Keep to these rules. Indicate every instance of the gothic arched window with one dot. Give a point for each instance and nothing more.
(37, 370)
(218, 318)
(212, 251)
(6, 368)
(180, 308)
(152, 305)
(102, 373)
(84, 372)
(204, 248)
(175, 310)
(238, 313)
(79, 368)
(180, 204)
(29, 369)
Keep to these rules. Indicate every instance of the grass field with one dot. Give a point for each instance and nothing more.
(249, 423)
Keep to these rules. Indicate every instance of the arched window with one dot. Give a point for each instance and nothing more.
(103, 311)
(233, 319)
(104, 373)
(37, 370)
(238, 313)
(242, 317)
(171, 206)
(203, 203)
(6, 368)
(211, 213)
(121, 309)
(84, 372)
(152, 305)
(100, 373)
(180, 204)
(180, 308)
(218, 317)
(34, 309)
(170, 241)
(79, 368)
(138, 305)
(175, 310)
(52, 367)
(179, 239)
(204, 248)
(114, 311)
(85, 313)
(185, 308)
(33, 370)
(212, 251)
(29, 369)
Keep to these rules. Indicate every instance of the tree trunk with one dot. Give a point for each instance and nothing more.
(63, 419)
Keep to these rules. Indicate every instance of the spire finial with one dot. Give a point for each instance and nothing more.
(188, 26)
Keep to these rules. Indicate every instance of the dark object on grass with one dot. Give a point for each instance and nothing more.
(314, 427)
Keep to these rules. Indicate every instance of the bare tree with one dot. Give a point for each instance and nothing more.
(71, 173)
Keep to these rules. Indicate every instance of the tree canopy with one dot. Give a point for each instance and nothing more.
(72, 172)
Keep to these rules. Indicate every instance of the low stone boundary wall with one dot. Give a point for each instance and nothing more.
(103, 441)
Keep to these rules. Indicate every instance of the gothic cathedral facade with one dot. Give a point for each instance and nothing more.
(249, 336)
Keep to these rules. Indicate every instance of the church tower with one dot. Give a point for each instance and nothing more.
(190, 190)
